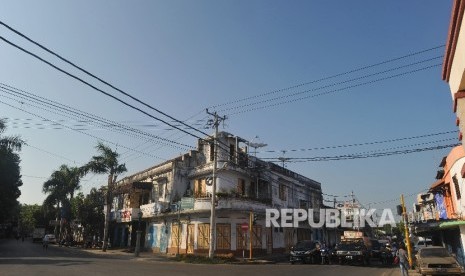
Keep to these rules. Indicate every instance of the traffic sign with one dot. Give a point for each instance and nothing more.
(245, 226)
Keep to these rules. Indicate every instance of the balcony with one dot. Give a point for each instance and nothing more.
(235, 203)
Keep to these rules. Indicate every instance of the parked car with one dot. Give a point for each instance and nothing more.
(436, 260)
(51, 238)
(421, 243)
(306, 251)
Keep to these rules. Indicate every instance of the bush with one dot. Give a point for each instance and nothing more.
(197, 259)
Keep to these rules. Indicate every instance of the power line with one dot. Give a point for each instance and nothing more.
(101, 80)
(366, 143)
(336, 90)
(87, 134)
(108, 124)
(332, 84)
(359, 156)
(330, 77)
(94, 87)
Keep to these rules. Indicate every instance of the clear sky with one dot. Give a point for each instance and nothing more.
(284, 71)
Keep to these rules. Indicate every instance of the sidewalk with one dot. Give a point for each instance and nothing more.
(124, 253)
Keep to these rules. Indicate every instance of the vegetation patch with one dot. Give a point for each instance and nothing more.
(197, 259)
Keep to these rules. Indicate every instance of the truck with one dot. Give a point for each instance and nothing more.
(354, 248)
(38, 233)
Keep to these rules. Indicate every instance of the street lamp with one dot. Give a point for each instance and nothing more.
(138, 233)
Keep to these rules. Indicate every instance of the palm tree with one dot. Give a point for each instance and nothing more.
(9, 142)
(106, 163)
(61, 186)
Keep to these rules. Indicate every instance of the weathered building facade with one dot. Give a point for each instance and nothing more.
(171, 202)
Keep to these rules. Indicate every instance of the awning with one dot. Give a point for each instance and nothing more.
(449, 224)
(437, 184)
(129, 187)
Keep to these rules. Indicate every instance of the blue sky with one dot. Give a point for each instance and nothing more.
(184, 56)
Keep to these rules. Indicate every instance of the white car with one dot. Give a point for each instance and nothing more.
(50, 238)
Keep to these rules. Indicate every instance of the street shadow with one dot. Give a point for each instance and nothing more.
(61, 262)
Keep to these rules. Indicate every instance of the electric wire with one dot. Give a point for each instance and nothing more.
(108, 124)
(95, 88)
(330, 77)
(103, 81)
(334, 91)
(330, 85)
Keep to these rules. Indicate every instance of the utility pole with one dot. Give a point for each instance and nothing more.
(250, 234)
(407, 236)
(215, 123)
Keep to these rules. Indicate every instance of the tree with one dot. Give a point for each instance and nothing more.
(13, 143)
(10, 177)
(89, 211)
(60, 188)
(30, 217)
(106, 163)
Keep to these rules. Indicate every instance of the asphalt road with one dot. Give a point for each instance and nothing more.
(26, 258)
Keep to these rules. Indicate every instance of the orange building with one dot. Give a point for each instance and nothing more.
(445, 185)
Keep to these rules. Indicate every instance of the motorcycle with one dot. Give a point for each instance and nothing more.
(386, 257)
(327, 255)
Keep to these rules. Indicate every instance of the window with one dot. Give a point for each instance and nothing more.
(175, 236)
(223, 236)
(232, 152)
(457, 187)
(160, 189)
(203, 236)
(257, 236)
(241, 187)
(241, 240)
(212, 151)
(282, 192)
(200, 188)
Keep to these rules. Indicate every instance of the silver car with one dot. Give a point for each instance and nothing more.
(436, 260)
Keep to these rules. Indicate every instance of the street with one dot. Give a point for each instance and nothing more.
(26, 258)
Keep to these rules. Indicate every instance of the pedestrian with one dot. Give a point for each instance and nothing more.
(22, 237)
(403, 260)
(45, 243)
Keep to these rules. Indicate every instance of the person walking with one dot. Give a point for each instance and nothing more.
(403, 260)
(45, 243)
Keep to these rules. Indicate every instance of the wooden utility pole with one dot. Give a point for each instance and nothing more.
(407, 237)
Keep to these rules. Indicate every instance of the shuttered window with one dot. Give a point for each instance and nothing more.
(175, 234)
(203, 236)
(223, 236)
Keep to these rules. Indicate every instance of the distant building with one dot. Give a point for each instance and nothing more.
(173, 202)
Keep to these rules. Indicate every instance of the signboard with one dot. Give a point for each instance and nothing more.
(187, 203)
(245, 226)
(353, 234)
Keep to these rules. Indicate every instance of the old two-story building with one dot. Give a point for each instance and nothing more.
(171, 202)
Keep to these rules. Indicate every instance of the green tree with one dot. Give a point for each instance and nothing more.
(30, 217)
(89, 211)
(60, 188)
(106, 163)
(10, 177)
